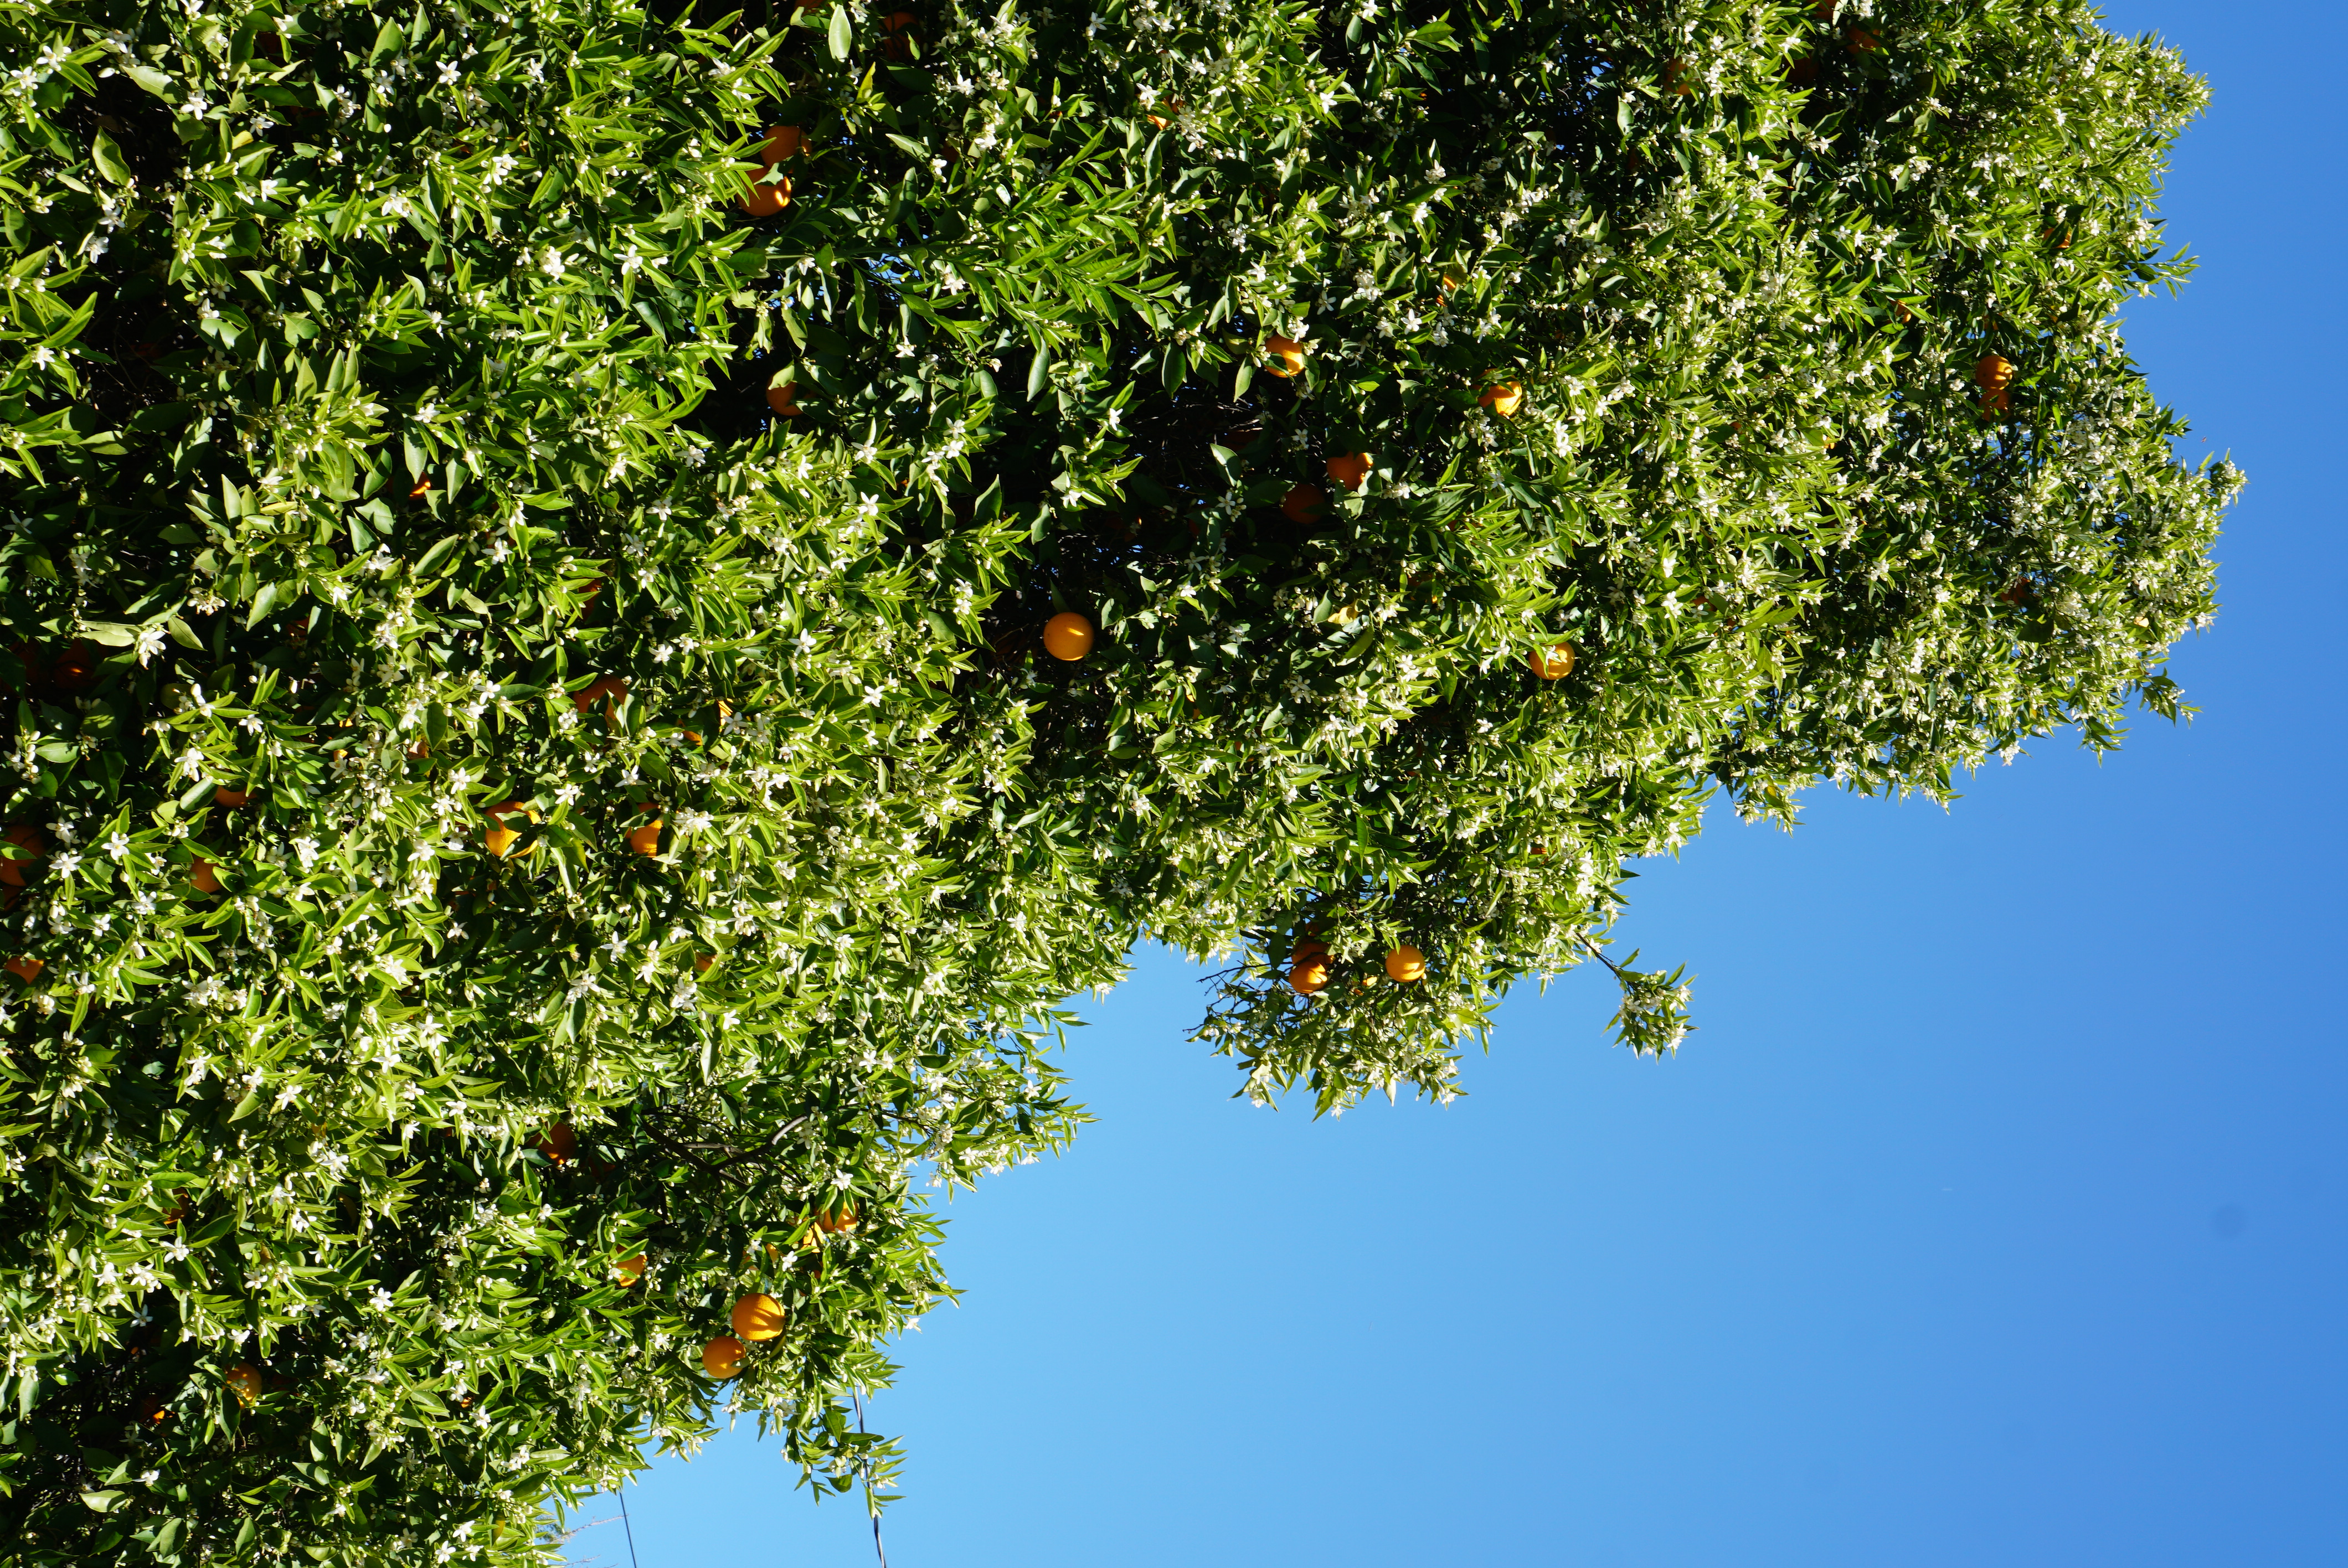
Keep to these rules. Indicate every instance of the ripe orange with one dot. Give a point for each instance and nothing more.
(151, 1407)
(898, 26)
(646, 840)
(422, 487)
(724, 712)
(1308, 948)
(1995, 376)
(1067, 636)
(502, 839)
(702, 962)
(1349, 468)
(560, 1143)
(27, 838)
(630, 1270)
(1283, 356)
(231, 798)
(1675, 77)
(782, 141)
(1554, 662)
(836, 1220)
(722, 1356)
(758, 1317)
(768, 197)
(1306, 976)
(610, 691)
(244, 1381)
(1503, 398)
(783, 399)
(1863, 42)
(1304, 504)
(201, 873)
(76, 668)
(24, 969)
(1405, 964)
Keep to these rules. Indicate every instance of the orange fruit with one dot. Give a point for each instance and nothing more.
(560, 1143)
(722, 1356)
(701, 964)
(1554, 662)
(610, 691)
(1308, 948)
(1283, 356)
(1675, 77)
(783, 399)
(201, 873)
(1349, 468)
(27, 838)
(758, 1317)
(898, 26)
(231, 798)
(724, 712)
(630, 1270)
(243, 1380)
(782, 141)
(1306, 976)
(1304, 504)
(1863, 42)
(646, 840)
(1503, 398)
(76, 668)
(768, 197)
(1067, 636)
(422, 487)
(1405, 964)
(836, 1220)
(24, 969)
(151, 1407)
(1995, 376)
(500, 838)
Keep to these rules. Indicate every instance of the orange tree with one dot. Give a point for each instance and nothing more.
(606, 607)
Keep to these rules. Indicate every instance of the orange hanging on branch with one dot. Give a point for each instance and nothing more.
(722, 1356)
(1067, 636)
(1994, 375)
(1502, 397)
(1304, 504)
(758, 1317)
(1554, 662)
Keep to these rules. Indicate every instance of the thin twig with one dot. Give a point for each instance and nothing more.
(877, 1550)
(625, 1523)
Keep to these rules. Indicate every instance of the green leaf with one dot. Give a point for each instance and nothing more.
(108, 158)
(842, 39)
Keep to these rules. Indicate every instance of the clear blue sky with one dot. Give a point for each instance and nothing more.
(1998, 1214)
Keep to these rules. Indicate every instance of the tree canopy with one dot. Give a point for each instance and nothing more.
(605, 609)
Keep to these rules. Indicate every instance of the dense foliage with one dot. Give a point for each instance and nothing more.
(540, 802)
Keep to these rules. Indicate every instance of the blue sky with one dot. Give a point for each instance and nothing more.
(1999, 1212)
